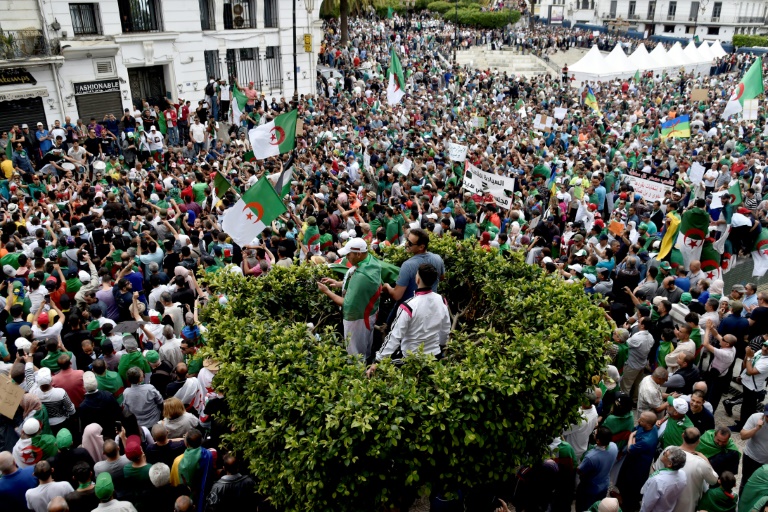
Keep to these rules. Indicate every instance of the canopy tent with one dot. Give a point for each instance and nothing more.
(700, 63)
(591, 67)
(678, 58)
(643, 60)
(717, 50)
(659, 54)
(706, 52)
(618, 64)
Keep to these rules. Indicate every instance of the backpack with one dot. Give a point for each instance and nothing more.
(209, 89)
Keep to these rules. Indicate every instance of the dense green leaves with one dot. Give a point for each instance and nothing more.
(749, 41)
(320, 435)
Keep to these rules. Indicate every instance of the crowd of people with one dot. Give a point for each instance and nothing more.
(107, 227)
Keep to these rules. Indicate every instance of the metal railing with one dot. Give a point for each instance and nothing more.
(670, 17)
(273, 77)
(23, 44)
(85, 19)
(140, 16)
(750, 19)
(240, 14)
(715, 19)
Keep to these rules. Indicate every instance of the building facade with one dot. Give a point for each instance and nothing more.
(707, 19)
(84, 59)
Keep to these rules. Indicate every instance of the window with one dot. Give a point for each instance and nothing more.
(672, 10)
(240, 14)
(585, 4)
(207, 15)
(694, 16)
(613, 8)
(651, 10)
(245, 70)
(274, 68)
(140, 15)
(668, 29)
(717, 9)
(85, 19)
(713, 31)
(632, 8)
(212, 68)
(270, 14)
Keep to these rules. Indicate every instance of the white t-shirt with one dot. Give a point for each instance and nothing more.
(753, 382)
(78, 154)
(197, 133)
(39, 497)
(757, 445)
(578, 435)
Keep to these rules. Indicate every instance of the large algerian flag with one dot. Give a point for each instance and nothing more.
(311, 239)
(396, 87)
(710, 261)
(276, 137)
(161, 124)
(735, 190)
(239, 100)
(760, 254)
(693, 230)
(255, 210)
(750, 87)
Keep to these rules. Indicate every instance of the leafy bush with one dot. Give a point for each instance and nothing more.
(319, 435)
(440, 6)
(749, 41)
(471, 16)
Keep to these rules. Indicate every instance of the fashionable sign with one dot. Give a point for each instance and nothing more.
(16, 76)
(97, 87)
(23, 95)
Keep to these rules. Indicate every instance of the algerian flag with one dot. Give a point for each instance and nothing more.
(750, 87)
(220, 185)
(760, 254)
(239, 100)
(282, 180)
(161, 124)
(735, 190)
(637, 76)
(396, 88)
(276, 137)
(693, 230)
(255, 210)
(710, 261)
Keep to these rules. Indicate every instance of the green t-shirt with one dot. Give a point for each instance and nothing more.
(111, 383)
(51, 360)
(198, 190)
(673, 433)
(717, 500)
(141, 473)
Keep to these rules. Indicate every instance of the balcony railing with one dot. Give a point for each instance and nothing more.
(23, 44)
(670, 17)
(634, 16)
(240, 14)
(715, 19)
(140, 16)
(750, 19)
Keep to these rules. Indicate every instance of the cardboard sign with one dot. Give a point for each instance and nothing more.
(541, 122)
(299, 128)
(560, 113)
(696, 173)
(717, 200)
(700, 95)
(10, 397)
(405, 167)
(457, 152)
(750, 109)
(616, 228)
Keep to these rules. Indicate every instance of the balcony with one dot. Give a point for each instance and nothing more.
(239, 14)
(715, 19)
(750, 19)
(25, 44)
(670, 17)
(634, 16)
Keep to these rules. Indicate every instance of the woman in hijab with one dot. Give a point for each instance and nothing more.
(634, 236)
(716, 289)
(93, 442)
(33, 408)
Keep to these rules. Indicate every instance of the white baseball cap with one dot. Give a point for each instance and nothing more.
(354, 245)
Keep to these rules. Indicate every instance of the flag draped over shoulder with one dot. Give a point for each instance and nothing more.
(239, 100)
(276, 137)
(694, 225)
(255, 210)
(396, 87)
(710, 261)
(311, 238)
(750, 87)
(760, 254)
(670, 235)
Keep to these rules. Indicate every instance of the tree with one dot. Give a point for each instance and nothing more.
(320, 435)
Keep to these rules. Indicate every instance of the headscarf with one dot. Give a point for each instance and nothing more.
(93, 442)
(716, 288)
(184, 272)
(634, 236)
(30, 403)
(485, 239)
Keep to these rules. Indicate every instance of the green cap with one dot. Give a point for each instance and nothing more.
(642, 226)
(64, 439)
(152, 356)
(686, 298)
(93, 325)
(665, 265)
(104, 487)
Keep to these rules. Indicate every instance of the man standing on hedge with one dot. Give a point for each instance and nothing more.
(359, 297)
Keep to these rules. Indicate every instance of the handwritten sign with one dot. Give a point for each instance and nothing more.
(10, 397)
(406, 166)
(651, 188)
(457, 152)
(560, 112)
(697, 173)
(481, 183)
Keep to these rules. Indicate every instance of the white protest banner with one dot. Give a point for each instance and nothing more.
(481, 183)
(651, 188)
(541, 122)
(405, 167)
(717, 199)
(457, 152)
(697, 173)
(560, 113)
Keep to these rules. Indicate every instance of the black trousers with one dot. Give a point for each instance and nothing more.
(749, 404)
(748, 466)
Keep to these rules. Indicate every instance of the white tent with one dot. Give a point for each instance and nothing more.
(678, 58)
(659, 54)
(701, 64)
(717, 50)
(618, 64)
(643, 60)
(591, 67)
(706, 52)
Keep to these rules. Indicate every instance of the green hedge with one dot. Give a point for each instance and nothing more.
(318, 435)
(749, 41)
(475, 18)
(440, 6)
